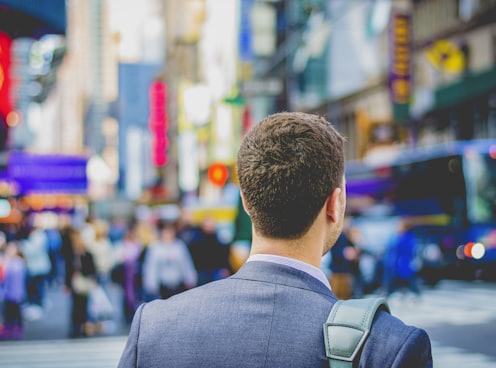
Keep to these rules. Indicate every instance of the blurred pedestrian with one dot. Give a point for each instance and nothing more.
(343, 259)
(210, 255)
(14, 292)
(36, 252)
(102, 250)
(66, 230)
(54, 241)
(80, 279)
(146, 234)
(117, 229)
(356, 257)
(126, 270)
(3, 244)
(100, 247)
(187, 230)
(401, 262)
(88, 229)
(168, 268)
(271, 312)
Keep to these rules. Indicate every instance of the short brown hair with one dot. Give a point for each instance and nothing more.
(287, 166)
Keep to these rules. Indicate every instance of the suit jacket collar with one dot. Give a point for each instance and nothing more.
(281, 274)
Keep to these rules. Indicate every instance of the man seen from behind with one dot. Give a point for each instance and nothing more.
(270, 313)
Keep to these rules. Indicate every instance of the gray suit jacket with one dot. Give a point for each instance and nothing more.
(265, 315)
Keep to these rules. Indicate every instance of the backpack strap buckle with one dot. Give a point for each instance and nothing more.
(348, 327)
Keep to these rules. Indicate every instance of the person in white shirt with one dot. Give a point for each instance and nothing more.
(168, 268)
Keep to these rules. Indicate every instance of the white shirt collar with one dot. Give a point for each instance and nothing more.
(294, 263)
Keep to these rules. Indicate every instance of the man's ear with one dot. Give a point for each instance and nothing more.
(333, 204)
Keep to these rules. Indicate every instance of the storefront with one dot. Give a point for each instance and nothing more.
(36, 183)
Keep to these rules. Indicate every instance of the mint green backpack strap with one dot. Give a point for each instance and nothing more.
(347, 328)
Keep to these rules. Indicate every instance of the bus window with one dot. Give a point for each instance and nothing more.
(480, 175)
(430, 188)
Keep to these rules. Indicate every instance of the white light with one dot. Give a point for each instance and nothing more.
(197, 104)
(135, 162)
(98, 171)
(223, 134)
(4, 208)
(263, 22)
(478, 250)
(188, 168)
(223, 123)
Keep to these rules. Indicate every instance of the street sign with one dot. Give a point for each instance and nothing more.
(270, 86)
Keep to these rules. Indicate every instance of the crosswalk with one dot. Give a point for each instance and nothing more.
(105, 353)
(456, 305)
(448, 357)
(452, 303)
(101, 352)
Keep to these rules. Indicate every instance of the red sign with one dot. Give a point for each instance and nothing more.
(158, 122)
(5, 100)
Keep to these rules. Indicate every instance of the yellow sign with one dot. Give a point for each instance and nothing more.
(446, 56)
(400, 63)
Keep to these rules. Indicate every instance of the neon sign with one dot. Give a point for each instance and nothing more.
(5, 100)
(399, 69)
(158, 123)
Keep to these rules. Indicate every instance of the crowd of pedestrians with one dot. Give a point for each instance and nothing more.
(13, 275)
(150, 259)
(394, 271)
(26, 264)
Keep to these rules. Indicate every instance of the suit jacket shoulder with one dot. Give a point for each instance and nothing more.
(392, 343)
(265, 315)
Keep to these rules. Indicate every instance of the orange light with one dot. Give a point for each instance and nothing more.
(218, 174)
(467, 250)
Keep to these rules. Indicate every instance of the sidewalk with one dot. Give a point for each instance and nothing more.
(53, 320)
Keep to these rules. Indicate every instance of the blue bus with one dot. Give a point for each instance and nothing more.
(446, 192)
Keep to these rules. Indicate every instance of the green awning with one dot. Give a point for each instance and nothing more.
(468, 87)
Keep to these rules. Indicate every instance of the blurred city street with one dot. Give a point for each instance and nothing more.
(53, 324)
(46, 344)
(120, 127)
(459, 316)
(82, 353)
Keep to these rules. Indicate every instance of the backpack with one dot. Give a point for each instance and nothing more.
(347, 329)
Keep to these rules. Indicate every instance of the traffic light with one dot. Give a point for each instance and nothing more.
(218, 174)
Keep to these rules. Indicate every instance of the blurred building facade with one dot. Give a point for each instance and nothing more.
(204, 107)
(389, 74)
(455, 66)
(43, 160)
(158, 97)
